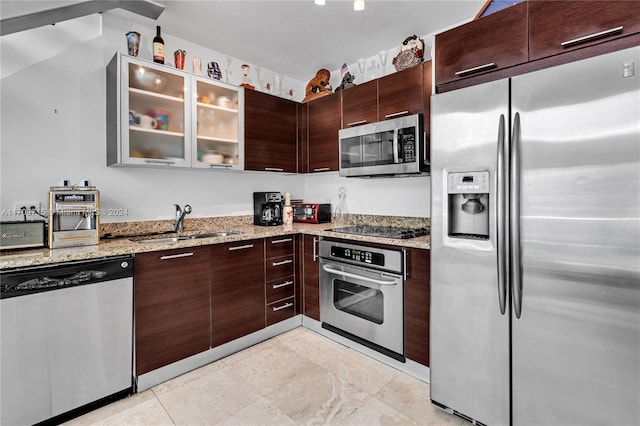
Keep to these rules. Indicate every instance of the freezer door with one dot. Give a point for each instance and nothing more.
(576, 345)
(469, 349)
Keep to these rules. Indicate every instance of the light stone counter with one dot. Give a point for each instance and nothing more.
(115, 246)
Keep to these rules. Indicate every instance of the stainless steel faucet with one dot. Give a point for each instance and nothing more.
(180, 214)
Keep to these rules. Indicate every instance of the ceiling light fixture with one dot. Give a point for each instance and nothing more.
(358, 4)
(319, 2)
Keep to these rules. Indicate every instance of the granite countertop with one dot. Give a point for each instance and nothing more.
(115, 246)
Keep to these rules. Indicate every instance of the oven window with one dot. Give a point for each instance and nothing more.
(358, 300)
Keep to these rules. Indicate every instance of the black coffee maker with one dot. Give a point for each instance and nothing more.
(267, 208)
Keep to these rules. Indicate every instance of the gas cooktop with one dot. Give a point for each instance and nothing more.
(382, 231)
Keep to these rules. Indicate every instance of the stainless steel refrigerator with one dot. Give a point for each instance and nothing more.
(535, 246)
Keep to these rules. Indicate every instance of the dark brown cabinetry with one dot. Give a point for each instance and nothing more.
(280, 278)
(360, 104)
(171, 306)
(416, 306)
(311, 277)
(493, 42)
(237, 290)
(271, 133)
(323, 123)
(391, 96)
(562, 26)
(401, 93)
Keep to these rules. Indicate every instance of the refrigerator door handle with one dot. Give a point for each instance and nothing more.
(500, 218)
(515, 266)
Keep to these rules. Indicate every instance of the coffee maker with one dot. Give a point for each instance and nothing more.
(267, 208)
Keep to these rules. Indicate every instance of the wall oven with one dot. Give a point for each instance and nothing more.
(361, 295)
(390, 147)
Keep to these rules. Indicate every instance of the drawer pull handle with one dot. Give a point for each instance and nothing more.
(220, 166)
(476, 69)
(286, 240)
(357, 123)
(315, 251)
(396, 114)
(322, 169)
(284, 262)
(286, 305)
(592, 36)
(166, 162)
(273, 169)
(284, 284)
(241, 247)
(175, 256)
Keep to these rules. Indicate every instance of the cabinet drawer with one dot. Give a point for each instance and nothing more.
(280, 310)
(280, 289)
(280, 267)
(279, 246)
(496, 41)
(561, 26)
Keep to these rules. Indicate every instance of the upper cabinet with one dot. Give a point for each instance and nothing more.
(270, 133)
(217, 124)
(561, 26)
(360, 104)
(493, 42)
(161, 116)
(148, 120)
(391, 96)
(323, 123)
(401, 93)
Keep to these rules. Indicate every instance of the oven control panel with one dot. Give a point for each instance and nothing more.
(357, 255)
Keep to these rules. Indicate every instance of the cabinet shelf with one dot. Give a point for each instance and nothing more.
(218, 108)
(213, 139)
(156, 131)
(155, 95)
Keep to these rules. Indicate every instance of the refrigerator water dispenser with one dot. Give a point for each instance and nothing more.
(468, 199)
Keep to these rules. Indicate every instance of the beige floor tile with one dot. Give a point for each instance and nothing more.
(112, 409)
(187, 377)
(262, 412)
(313, 346)
(317, 397)
(411, 397)
(149, 412)
(271, 368)
(360, 370)
(377, 413)
(208, 399)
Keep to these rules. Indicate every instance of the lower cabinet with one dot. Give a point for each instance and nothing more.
(237, 290)
(416, 306)
(171, 306)
(280, 279)
(310, 277)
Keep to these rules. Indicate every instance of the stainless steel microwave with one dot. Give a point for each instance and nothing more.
(390, 147)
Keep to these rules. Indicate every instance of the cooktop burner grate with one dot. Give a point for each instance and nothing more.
(382, 231)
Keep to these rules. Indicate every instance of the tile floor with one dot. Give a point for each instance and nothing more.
(297, 378)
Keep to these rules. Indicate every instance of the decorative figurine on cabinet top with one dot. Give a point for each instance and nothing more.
(213, 71)
(347, 78)
(318, 86)
(410, 53)
(246, 81)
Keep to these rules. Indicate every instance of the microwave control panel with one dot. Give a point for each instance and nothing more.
(407, 141)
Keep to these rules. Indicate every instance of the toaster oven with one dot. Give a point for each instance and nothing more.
(311, 213)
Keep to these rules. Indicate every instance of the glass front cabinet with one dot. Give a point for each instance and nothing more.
(160, 116)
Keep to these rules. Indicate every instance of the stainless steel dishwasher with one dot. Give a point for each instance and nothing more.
(67, 338)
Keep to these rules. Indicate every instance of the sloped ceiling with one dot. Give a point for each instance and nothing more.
(297, 33)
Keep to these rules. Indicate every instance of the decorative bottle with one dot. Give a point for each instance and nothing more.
(158, 47)
(287, 213)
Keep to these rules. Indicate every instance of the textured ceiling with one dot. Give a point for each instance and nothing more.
(294, 37)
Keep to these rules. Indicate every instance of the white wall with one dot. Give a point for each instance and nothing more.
(52, 121)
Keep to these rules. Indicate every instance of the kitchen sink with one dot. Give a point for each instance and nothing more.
(187, 237)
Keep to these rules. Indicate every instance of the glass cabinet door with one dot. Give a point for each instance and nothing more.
(217, 124)
(155, 118)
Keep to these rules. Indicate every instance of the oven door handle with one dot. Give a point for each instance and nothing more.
(328, 268)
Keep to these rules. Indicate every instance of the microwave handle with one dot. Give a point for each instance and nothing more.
(395, 146)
